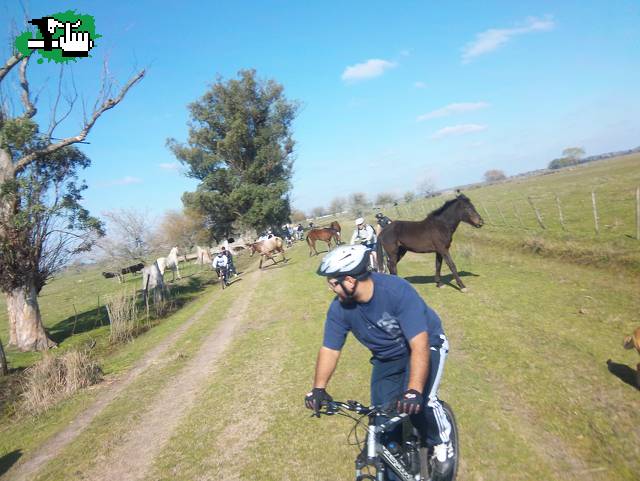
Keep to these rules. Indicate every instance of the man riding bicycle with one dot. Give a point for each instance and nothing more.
(220, 264)
(231, 268)
(365, 234)
(404, 335)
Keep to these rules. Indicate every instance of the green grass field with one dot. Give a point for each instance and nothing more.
(527, 373)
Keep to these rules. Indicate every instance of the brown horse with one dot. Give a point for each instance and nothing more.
(336, 227)
(432, 234)
(324, 234)
(268, 248)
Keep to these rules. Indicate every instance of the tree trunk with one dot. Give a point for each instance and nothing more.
(26, 331)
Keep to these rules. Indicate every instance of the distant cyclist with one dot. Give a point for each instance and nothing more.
(383, 221)
(365, 235)
(404, 335)
(231, 268)
(221, 264)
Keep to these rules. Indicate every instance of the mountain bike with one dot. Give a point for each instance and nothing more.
(410, 459)
(223, 274)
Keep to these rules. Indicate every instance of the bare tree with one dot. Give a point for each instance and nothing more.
(358, 203)
(337, 205)
(297, 215)
(409, 196)
(385, 198)
(184, 229)
(318, 211)
(494, 175)
(35, 198)
(130, 238)
(426, 187)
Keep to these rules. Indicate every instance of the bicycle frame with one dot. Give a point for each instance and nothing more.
(377, 454)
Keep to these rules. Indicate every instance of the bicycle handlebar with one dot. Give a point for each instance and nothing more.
(333, 407)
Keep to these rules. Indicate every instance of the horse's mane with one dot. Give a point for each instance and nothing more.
(440, 210)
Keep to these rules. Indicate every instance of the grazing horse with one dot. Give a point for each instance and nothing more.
(171, 261)
(324, 234)
(268, 248)
(432, 234)
(335, 225)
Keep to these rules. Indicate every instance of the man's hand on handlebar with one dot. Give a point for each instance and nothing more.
(315, 399)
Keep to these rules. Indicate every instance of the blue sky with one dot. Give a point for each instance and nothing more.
(392, 92)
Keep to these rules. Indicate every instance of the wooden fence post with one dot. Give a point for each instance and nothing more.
(535, 210)
(486, 212)
(502, 215)
(560, 212)
(638, 213)
(595, 211)
(515, 209)
(4, 369)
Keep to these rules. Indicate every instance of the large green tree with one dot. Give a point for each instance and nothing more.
(42, 222)
(240, 148)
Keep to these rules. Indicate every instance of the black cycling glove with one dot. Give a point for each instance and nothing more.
(315, 398)
(410, 402)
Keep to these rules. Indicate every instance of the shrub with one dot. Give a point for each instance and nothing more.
(123, 316)
(54, 378)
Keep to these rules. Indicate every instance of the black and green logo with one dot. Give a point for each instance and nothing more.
(61, 37)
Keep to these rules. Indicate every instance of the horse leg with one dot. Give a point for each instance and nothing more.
(454, 271)
(438, 269)
(392, 259)
(261, 259)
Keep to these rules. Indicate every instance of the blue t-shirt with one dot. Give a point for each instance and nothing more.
(394, 315)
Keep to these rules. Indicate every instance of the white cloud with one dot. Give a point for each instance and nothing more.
(458, 130)
(369, 69)
(455, 108)
(169, 165)
(491, 39)
(127, 180)
(419, 85)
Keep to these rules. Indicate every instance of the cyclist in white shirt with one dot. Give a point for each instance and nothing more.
(220, 264)
(365, 234)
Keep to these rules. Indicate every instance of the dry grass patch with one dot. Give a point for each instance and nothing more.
(57, 377)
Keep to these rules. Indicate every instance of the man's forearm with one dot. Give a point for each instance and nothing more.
(325, 365)
(419, 362)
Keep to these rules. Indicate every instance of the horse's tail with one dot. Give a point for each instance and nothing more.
(380, 255)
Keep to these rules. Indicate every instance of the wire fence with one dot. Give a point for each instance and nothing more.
(587, 214)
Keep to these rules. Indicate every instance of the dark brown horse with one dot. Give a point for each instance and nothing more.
(323, 234)
(433, 234)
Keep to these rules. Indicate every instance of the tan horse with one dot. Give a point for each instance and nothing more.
(325, 234)
(268, 248)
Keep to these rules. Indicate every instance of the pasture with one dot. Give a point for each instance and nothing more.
(527, 374)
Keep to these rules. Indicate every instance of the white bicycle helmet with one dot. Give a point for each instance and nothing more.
(359, 221)
(345, 260)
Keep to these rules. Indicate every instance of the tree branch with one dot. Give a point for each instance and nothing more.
(11, 62)
(106, 105)
(29, 109)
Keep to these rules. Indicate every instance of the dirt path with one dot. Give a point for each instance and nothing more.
(52, 447)
(131, 459)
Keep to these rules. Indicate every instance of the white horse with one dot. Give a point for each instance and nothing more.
(171, 261)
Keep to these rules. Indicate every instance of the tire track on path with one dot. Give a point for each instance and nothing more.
(132, 459)
(54, 445)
